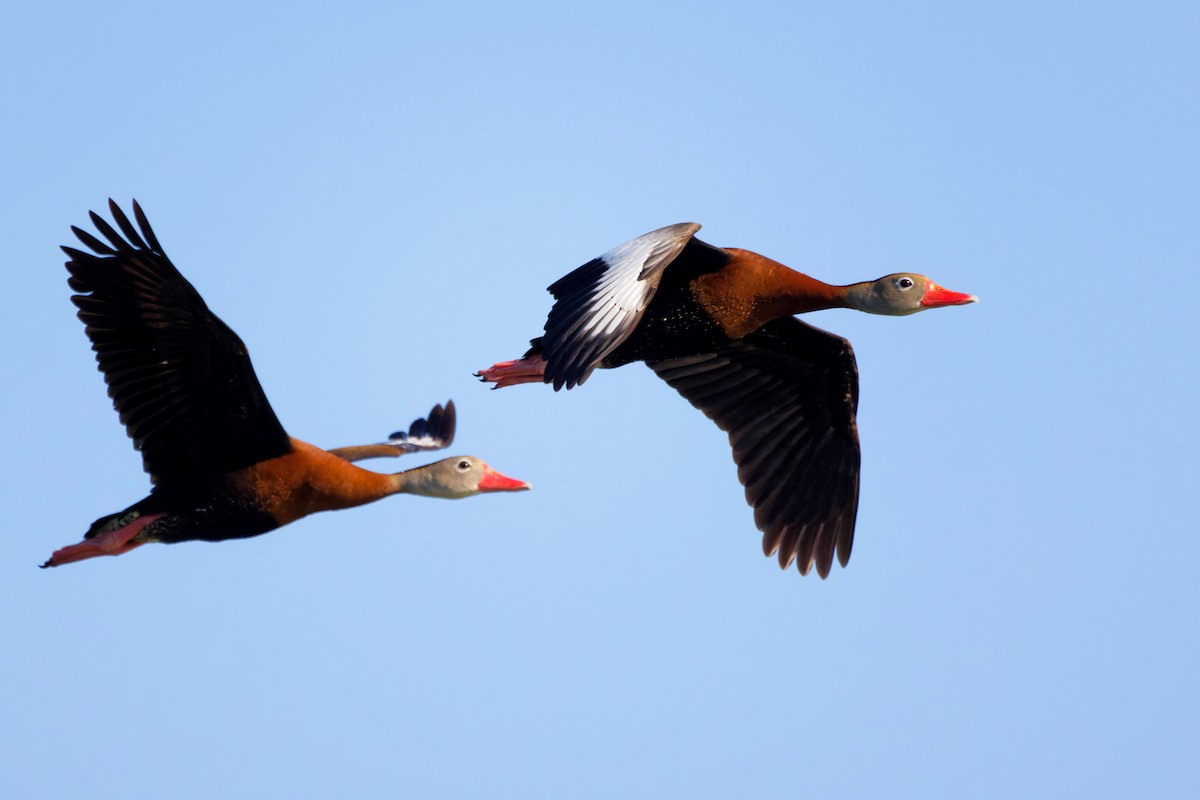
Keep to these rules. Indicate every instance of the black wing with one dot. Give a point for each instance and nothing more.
(432, 433)
(787, 395)
(179, 378)
(601, 303)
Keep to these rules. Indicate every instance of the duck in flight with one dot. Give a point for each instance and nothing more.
(181, 380)
(717, 325)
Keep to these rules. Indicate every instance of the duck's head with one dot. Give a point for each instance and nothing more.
(461, 476)
(904, 293)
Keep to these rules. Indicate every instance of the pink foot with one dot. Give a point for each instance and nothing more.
(112, 543)
(510, 373)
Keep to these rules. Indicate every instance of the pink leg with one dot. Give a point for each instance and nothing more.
(510, 373)
(112, 543)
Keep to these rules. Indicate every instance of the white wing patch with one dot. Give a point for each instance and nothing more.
(601, 303)
(428, 433)
(416, 443)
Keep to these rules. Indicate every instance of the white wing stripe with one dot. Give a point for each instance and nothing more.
(598, 307)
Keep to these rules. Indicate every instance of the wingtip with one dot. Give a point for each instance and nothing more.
(449, 422)
(677, 233)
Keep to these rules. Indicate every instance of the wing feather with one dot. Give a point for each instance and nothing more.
(428, 433)
(787, 395)
(599, 304)
(180, 379)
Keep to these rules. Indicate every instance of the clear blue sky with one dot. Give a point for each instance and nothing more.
(375, 197)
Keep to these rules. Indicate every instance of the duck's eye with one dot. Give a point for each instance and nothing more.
(905, 283)
(464, 465)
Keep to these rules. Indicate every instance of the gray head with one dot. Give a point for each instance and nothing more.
(903, 293)
(461, 476)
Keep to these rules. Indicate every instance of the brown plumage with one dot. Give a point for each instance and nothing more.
(716, 324)
(181, 380)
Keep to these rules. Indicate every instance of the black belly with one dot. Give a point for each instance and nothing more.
(209, 513)
(206, 525)
(672, 330)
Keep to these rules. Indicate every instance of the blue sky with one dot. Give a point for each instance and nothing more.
(375, 197)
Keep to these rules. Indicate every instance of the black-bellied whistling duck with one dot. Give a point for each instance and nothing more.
(181, 380)
(716, 324)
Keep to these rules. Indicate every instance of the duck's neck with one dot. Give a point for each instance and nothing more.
(413, 481)
(863, 297)
(798, 293)
(809, 294)
(339, 483)
(754, 290)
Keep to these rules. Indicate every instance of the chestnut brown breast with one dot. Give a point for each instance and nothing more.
(751, 290)
(308, 480)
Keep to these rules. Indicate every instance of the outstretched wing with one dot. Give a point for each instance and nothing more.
(600, 303)
(428, 433)
(787, 395)
(432, 433)
(180, 378)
